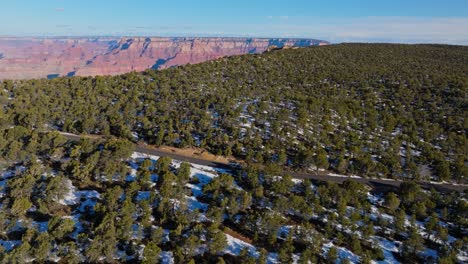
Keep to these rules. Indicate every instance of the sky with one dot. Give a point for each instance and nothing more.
(405, 21)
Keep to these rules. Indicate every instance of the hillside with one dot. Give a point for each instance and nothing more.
(27, 58)
(387, 111)
(390, 111)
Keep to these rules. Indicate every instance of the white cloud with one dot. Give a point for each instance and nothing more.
(398, 29)
(59, 9)
(367, 29)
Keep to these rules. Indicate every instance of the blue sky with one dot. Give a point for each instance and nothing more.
(407, 21)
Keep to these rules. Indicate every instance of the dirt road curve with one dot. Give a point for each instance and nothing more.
(374, 183)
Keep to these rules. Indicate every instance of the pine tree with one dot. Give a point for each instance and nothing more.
(262, 258)
(413, 245)
(286, 250)
(183, 174)
(42, 247)
(400, 219)
(332, 255)
(151, 253)
(321, 160)
(392, 202)
(162, 165)
(216, 240)
(432, 224)
(20, 206)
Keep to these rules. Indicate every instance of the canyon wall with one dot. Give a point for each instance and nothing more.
(26, 58)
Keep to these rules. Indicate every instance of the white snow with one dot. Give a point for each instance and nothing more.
(388, 248)
(343, 253)
(235, 246)
(141, 156)
(2, 188)
(430, 253)
(9, 244)
(143, 195)
(88, 204)
(344, 176)
(375, 214)
(167, 257)
(70, 197)
(463, 257)
(196, 190)
(283, 231)
(204, 174)
(41, 226)
(74, 197)
(194, 204)
(78, 226)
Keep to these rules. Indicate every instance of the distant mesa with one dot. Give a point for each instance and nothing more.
(27, 58)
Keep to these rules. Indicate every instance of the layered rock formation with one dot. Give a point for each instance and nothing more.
(26, 58)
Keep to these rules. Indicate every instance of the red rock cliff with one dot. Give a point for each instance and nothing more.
(25, 58)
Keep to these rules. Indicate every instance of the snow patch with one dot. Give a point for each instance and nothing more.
(343, 253)
(235, 246)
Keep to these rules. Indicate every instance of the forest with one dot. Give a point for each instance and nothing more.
(372, 110)
(390, 111)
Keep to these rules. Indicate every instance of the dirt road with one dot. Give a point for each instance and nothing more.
(379, 184)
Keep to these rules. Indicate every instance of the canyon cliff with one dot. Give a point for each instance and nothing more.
(27, 58)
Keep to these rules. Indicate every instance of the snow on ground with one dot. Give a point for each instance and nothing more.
(10, 173)
(196, 190)
(41, 226)
(374, 199)
(343, 253)
(297, 181)
(2, 188)
(272, 258)
(430, 254)
(235, 246)
(141, 156)
(74, 197)
(204, 174)
(143, 195)
(194, 204)
(376, 214)
(167, 257)
(78, 225)
(136, 231)
(70, 197)
(91, 200)
(7, 174)
(9, 244)
(388, 247)
(344, 176)
(463, 257)
(283, 231)
(19, 225)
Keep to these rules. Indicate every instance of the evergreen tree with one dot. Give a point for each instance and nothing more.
(151, 253)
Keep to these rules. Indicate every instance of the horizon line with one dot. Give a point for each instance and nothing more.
(223, 37)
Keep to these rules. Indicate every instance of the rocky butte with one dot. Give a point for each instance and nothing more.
(27, 58)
